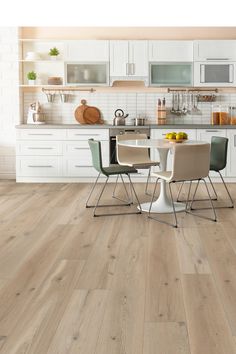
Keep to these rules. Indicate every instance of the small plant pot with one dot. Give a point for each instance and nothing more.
(53, 57)
(31, 82)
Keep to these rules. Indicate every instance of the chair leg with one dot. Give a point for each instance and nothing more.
(128, 201)
(153, 195)
(194, 194)
(100, 195)
(232, 202)
(147, 182)
(172, 201)
(132, 186)
(210, 199)
(213, 188)
(94, 185)
(188, 196)
(180, 189)
(198, 200)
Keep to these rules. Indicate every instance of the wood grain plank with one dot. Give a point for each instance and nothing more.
(166, 338)
(123, 323)
(192, 256)
(80, 326)
(209, 331)
(164, 300)
(222, 259)
(37, 325)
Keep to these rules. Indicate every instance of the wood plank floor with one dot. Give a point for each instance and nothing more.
(74, 284)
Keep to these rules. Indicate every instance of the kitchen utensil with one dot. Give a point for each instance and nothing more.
(119, 118)
(39, 118)
(85, 114)
(139, 121)
(64, 97)
(35, 114)
(50, 97)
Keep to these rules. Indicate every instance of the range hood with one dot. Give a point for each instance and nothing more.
(127, 81)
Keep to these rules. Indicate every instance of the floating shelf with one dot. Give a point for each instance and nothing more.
(41, 61)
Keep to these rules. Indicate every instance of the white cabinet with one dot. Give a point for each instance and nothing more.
(87, 50)
(160, 134)
(128, 58)
(168, 51)
(231, 167)
(206, 135)
(214, 50)
(44, 154)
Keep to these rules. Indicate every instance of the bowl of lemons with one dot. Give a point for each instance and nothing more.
(174, 137)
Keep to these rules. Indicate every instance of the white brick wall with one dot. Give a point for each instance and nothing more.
(9, 99)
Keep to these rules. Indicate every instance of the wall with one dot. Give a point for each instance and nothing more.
(129, 32)
(9, 99)
(137, 104)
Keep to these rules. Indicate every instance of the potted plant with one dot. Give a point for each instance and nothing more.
(31, 76)
(54, 52)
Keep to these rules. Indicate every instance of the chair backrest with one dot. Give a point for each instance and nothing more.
(191, 161)
(219, 148)
(129, 154)
(95, 147)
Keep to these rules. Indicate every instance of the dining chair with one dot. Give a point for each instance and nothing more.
(135, 157)
(218, 161)
(95, 147)
(185, 168)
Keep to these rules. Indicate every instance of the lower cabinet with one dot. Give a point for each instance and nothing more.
(231, 166)
(57, 154)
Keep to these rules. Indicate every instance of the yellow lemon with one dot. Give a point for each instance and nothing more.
(179, 136)
(185, 136)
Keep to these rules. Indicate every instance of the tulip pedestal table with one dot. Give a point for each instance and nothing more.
(163, 203)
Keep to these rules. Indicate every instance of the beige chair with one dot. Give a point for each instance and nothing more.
(134, 157)
(190, 163)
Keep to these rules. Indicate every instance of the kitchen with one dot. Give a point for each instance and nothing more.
(156, 82)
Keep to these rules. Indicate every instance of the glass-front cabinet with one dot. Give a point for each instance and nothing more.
(214, 74)
(87, 74)
(171, 74)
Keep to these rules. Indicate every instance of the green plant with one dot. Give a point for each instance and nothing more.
(54, 52)
(31, 75)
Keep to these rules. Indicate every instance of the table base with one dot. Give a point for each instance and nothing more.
(160, 208)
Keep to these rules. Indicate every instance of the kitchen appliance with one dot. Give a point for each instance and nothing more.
(78, 74)
(215, 73)
(119, 118)
(35, 114)
(170, 73)
(139, 121)
(113, 132)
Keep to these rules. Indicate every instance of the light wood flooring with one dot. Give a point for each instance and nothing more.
(74, 284)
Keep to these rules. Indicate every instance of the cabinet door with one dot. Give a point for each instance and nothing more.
(231, 167)
(138, 58)
(160, 134)
(215, 50)
(170, 51)
(206, 135)
(87, 50)
(119, 58)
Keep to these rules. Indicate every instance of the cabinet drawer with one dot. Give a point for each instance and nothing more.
(85, 134)
(81, 150)
(41, 134)
(39, 166)
(40, 148)
(73, 168)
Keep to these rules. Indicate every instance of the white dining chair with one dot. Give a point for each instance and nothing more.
(190, 163)
(135, 157)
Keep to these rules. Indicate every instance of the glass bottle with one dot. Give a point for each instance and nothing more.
(224, 115)
(232, 110)
(215, 114)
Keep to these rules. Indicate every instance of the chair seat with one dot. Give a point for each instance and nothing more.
(118, 169)
(166, 175)
(140, 164)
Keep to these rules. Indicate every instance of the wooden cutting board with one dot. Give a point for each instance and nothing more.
(85, 114)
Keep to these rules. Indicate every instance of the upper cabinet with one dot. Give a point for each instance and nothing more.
(167, 51)
(87, 50)
(129, 58)
(214, 50)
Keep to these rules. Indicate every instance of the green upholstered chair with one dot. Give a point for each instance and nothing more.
(218, 161)
(95, 147)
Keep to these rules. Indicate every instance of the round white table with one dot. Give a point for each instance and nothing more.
(163, 203)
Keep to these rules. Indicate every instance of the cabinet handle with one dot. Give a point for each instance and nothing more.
(40, 166)
(80, 148)
(132, 69)
(212, 130)
(40, 134)
(87, 134)
(234, 140)
(127, 68)
(40, 148)
(202, 73)
(217, 58)
(231, 73)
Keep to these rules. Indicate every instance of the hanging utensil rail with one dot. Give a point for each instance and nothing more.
(192, 90)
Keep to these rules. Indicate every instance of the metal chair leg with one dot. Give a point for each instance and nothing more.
(153, 195)
(187, 201)
(232, 202)
(180, 189)
(94, 185)
(100, 195)
(198, 200)
(147, 182)
(213, 209)
(172, 201)
(128, 201)
(131, 184)
(213, 188)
